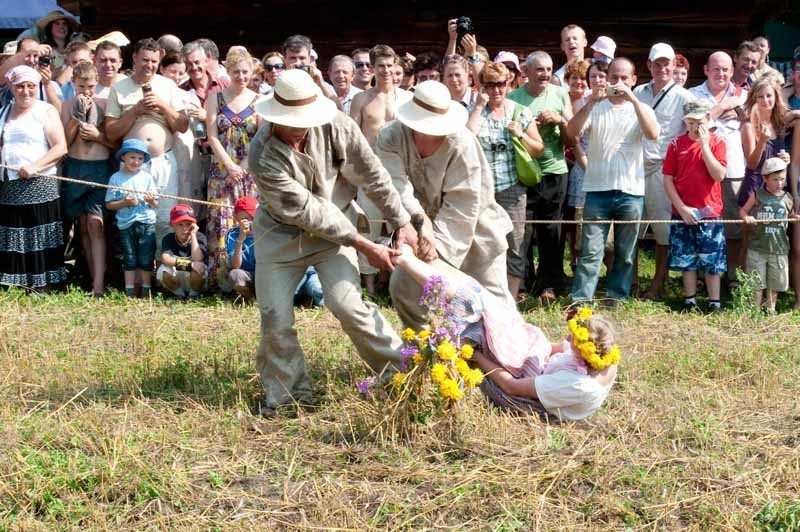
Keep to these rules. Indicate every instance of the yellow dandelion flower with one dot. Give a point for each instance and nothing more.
(572, 326)
(450, 389)
(417, 359)
(438, 372)
(581, 334)
(584, 313)
(408, 335)
(467, 351)
(399, 379)
(473, 378)
(423, 334)
(587, 349)
(462, 366)
(447, 351)
(613, 355)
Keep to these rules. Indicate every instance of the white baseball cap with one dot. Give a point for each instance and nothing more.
(661, 50)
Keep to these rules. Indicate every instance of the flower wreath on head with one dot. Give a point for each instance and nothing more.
(589, 351)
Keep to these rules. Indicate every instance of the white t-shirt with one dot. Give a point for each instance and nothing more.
(568, 394)
(669, 114)
(616, 160)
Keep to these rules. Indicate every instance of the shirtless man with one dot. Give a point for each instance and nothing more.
(108, 60)
(371, 110)
(376, 106)
(364, 73)
(88, 159)
(149, 107)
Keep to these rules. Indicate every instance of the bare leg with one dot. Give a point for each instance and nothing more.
(712, 286)
(758, 298)
(96, 253)
(772, 297)
(662, 270)
(86, 244)
(689, 284)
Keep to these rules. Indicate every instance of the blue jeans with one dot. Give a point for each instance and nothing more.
(607, 205)
(138, 244)
(309, 286)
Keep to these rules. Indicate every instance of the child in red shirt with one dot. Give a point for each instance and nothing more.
(693, 169)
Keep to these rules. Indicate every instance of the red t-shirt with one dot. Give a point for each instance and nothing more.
(684, 162)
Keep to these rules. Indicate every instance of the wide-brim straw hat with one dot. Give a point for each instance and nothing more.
(432, 111)
(116, 37)
(296, 101)
(56, 15)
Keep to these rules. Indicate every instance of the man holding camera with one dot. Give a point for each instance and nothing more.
(617, 123)
(36, 56)
(149, 107)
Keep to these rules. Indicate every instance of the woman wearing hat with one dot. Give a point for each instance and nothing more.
(32, 139)
(55, 30)
(439, 169)
(308, 164)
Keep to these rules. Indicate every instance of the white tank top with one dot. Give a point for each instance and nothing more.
(24, 140)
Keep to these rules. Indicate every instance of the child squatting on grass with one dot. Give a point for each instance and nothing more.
(525, 372)
(184, 251)
(768, 247)
(694, 168)
(136, 215)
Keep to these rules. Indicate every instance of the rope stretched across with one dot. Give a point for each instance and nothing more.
(183, 199)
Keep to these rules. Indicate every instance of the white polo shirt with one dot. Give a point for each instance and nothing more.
(727, 130)
(669, 114)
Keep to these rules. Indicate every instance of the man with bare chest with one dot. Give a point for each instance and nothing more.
(149, 107)
(376, 106)
(372, 109)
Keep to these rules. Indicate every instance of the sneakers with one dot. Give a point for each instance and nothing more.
(690, 307)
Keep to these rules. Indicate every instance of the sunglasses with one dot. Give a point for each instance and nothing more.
(183, 212)
(495, 84)
(276, 66)
(362, 64)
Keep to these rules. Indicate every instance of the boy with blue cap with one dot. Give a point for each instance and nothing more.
(136, 215)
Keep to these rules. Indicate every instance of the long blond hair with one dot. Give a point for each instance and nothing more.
(779, 110)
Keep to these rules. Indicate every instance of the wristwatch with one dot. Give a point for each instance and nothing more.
(474, 58)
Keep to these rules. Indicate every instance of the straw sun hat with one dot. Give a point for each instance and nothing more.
(431, 111)
(296, 101)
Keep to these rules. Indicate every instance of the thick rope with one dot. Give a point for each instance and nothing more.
(371, 220)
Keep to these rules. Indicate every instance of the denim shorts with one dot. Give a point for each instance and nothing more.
(698, 247)
(138, 246)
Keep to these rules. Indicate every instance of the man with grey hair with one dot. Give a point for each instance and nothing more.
(297, 54)
(341, 72)
(551, 106)
(202, 82)
(214, 66)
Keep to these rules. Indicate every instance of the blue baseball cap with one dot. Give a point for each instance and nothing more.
(134, 145)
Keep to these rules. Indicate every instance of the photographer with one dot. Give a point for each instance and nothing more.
(617, 124)
(297, 51)
(36, 56)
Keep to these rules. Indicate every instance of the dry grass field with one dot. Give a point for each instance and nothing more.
(136, 415)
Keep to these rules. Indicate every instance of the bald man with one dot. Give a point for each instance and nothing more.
(727, 100)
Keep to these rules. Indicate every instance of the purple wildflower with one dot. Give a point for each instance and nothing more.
(433, 295)
(441, 334)
(365, 387)
(406, 353)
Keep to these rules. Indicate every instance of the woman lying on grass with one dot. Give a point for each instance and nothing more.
(526, 373)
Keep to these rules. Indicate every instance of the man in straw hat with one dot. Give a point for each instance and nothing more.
(308, 163)
(446, 184)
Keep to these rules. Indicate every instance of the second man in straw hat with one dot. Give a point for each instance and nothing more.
(446, 184)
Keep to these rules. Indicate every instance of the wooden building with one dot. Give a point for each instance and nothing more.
(694, 28)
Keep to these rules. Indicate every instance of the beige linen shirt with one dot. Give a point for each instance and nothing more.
(455, 189)
(314, 191)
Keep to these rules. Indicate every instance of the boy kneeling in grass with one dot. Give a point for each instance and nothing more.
(768, 247)
(694, 168)
(183, 255)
